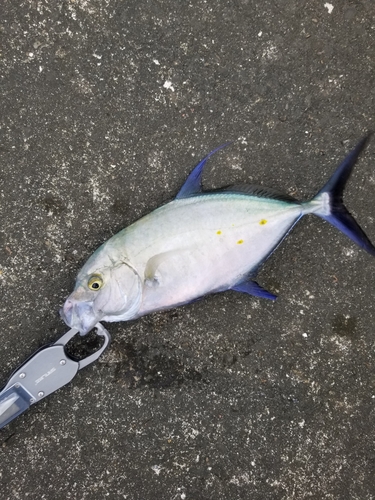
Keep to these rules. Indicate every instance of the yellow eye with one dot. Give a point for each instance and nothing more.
(95, 283)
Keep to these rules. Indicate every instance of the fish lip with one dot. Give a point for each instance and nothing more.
(80, 315)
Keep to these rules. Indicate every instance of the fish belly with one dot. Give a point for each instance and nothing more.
(195, 246)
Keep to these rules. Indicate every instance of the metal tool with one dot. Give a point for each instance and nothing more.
(43, 373)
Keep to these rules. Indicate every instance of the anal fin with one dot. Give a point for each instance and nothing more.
(251, 287)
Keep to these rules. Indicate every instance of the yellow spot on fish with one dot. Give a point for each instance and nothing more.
(262, 222)
(239, 242)
(218, 232)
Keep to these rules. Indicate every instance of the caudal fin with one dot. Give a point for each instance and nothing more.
(328, 203)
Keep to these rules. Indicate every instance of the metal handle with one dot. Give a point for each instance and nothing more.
(93, 357)
(46, 371)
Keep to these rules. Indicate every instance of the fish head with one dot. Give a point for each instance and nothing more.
(103, 291)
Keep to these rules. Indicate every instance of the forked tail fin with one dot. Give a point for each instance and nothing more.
(328, 202)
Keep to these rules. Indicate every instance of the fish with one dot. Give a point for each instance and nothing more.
(201, 242)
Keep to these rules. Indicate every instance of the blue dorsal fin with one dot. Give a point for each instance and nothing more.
(251, 287)
(193, 184)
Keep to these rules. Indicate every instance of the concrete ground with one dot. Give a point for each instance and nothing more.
(105, 108)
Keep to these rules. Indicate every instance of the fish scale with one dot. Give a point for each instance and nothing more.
(256, 223)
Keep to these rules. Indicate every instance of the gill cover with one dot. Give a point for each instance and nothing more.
(120, 295)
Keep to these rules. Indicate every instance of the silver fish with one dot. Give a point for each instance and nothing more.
(201, 242)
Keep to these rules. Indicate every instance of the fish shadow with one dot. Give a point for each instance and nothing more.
(142, 366)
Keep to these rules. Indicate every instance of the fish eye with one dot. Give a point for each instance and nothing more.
(95, 283)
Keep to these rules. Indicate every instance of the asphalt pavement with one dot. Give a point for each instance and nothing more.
(106, 106)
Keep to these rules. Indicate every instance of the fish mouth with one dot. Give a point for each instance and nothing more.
(80, 315)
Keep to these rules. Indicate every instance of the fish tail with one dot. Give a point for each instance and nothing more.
(328, 202)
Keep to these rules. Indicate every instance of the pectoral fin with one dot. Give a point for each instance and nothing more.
(152, 276)
(253, 288)
(158, 264)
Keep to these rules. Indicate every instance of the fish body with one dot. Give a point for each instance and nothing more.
(199, 243)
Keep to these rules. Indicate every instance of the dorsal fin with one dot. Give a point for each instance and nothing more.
(193, 184)
(259, 192)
